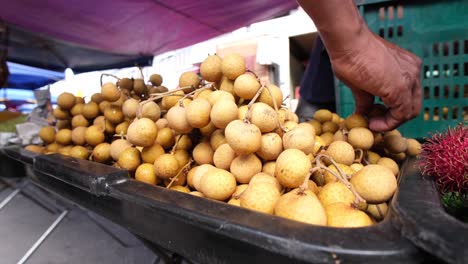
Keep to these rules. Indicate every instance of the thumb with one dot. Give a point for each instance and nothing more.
(364, 101)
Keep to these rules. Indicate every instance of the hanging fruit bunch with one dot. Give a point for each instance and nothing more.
(445, 158)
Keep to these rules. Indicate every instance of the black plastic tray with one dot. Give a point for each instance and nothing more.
(14, 167)
(422, 219)
(207, 231)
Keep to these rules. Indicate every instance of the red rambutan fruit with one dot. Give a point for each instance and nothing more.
(444, 156)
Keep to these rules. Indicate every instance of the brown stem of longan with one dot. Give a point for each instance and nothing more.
(254, 74)
(276, 109)
(249, 106)
(365, 161)
(305, 184)
(141, 72)
(184, 168)
(173, 149)
(108, 74)
(205, 87)
(156, 96)
(360, 155)
(284, 100)
(341, 176)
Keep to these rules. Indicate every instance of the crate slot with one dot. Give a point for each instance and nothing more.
(436, 92)
(400, 12)
(427, 92)
(435, 117)
(426, 114)
(445, 49)
(446, 91)
(400, 31)
(435, 49)
(445, 112)
(427, 73)
(455, 113)
(435, 72)
(465, 69)
(466, 46)
(465, 91)
(390, 32)
(465, 113)
(446, 70)
(382, 13)
(381, 32)
(391, 12)
(455, 69)
(456, 47)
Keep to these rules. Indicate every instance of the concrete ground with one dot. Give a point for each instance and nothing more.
(78, 238)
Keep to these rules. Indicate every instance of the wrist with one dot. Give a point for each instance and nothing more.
(351, 39)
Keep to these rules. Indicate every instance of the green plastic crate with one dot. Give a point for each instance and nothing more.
(436, 31)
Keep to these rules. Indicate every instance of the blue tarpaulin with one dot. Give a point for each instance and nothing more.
(26, 77)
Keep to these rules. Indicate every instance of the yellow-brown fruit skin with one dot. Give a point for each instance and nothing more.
(343, 215)
(260, 197)
(166, 166)
(156, 79)
(117, 146)
(203, 153)
(355, 120)
(271, 146)
(243, 138)
(299, 138)
(223, 112)
(375, 183)
(145, 173)
(94, 135)
(142, 132)
(189, 79)
(341, 152)
(414, 147)
(129, 159)
(198, 113)
(125, 83)
(266, 98)
(63, 136)
(378, 211)
(79, 152)
(149, 154)
(292, 167)
(110, 92)
(90, 110)
(210, 69)
(233, 65)
(361, 137)
(244, 167)
(395, 144)
(335, 192)
(66, 101)
(389, 163)
(47, 134)
(101, 153)
(323, 115)
(246, 86)
(303, 207)
(218, 184)
(264, 117)
(223, 156)
(177, 120)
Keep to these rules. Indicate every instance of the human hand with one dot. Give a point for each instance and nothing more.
(376, 67)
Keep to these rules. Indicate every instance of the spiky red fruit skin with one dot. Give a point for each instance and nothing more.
(444, 156)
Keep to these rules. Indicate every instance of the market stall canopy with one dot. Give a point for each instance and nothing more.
(26, 77)
(90, 35)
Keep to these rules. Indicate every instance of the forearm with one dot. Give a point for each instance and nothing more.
(339, 23)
